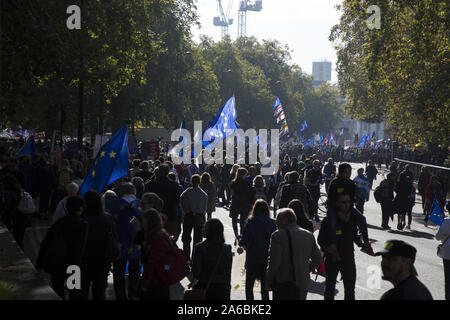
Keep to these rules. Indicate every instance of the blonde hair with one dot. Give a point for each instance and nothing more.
(259, 182)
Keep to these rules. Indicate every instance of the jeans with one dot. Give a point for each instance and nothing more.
(447, 278)
(251, 275)
(347, 268)
(119, 278)
(192, 222)
(95, 272)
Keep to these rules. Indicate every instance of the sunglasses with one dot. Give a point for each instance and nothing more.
(344, 202)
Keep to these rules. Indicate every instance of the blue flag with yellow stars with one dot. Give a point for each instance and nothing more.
(110, 164)
(436, 214)
(224, 120)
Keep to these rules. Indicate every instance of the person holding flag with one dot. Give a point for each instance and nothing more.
(303, 127)
(443, 235)
(433, 190)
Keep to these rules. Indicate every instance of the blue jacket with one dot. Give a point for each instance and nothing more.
(256, 240)
(122, 212)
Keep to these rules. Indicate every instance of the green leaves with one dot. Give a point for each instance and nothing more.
(397, 73)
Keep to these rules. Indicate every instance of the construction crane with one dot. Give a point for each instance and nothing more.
(245, 6)
(222, 20)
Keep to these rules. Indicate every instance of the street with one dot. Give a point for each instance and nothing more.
(428, 265)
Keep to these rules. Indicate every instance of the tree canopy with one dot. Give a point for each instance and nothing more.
(399, 73)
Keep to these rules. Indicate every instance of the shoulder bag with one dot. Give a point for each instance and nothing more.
(198, 294)
(287, 290)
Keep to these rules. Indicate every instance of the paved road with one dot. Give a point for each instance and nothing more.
(428, 265)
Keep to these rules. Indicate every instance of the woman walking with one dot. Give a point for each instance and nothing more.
(242, 199)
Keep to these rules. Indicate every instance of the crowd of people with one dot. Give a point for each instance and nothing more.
(134, 225)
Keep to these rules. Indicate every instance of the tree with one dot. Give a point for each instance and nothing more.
(398, 73)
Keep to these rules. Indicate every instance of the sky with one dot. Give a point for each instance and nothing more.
(304, 25)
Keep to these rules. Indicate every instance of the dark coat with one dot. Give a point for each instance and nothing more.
(74, 232)
(168, 191)
(205, 258)
(99, 227)
(242, 198)
(256, 240)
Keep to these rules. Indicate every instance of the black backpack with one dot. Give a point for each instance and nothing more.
(300, 192)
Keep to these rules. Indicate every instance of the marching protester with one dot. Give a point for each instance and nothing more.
(210, 189)
(167, 190)
(194, 202)
(443, 235)
(259, 188)
(363, 186)
(342, 184)
(293, 253)
(156, 244)
(303, 220)
(371, 173)
(61, 208)
(123, 209)
(64, 244)
(386, 191)
(96, 260)
(424, 180)
(211, 263)
(433, 190)
(313, 179)
(242, 199)
(329, 172)
(346, 230)
(256, 239)
(296, 190)
(398, 268)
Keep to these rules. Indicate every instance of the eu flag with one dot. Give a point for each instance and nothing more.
(304, 126)
(28, 148)
(321, 138)
(224, 120)
(436, 214)
(110, 164)
(309, 142)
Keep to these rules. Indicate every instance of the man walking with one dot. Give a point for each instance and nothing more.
(387, 187)
(398, 268)
(363, 190)
(313, 179)
(371, 173)
(289, 240)
(346, 234)
(194, 203)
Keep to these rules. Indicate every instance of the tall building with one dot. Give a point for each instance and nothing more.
(321, 72)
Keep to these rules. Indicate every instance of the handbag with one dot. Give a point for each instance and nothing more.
(198, 294)
(287, 290)
(439, 247)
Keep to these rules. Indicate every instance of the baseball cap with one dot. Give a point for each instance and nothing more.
(399, 248)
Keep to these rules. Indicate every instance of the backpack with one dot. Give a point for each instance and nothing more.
(299, 191)
(26, 204)
(378, 192)
(172, 267)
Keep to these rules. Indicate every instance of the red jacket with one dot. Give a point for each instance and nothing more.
(157, 244)
(431, 191)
